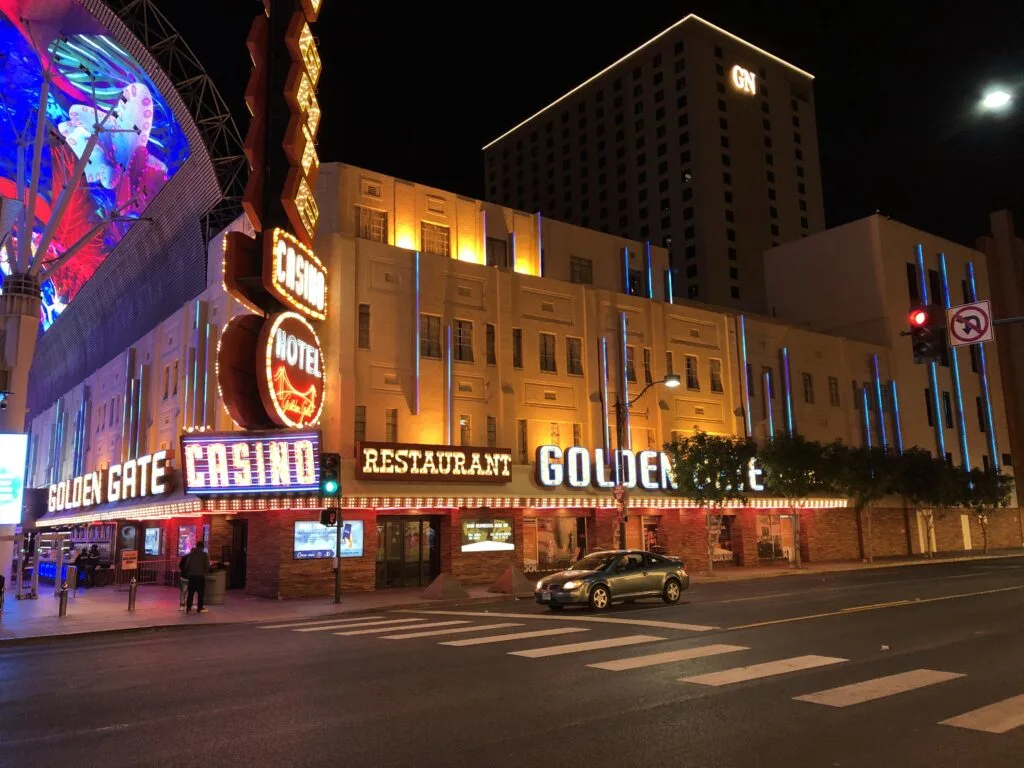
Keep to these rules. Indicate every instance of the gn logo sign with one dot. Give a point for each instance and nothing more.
(744, 80)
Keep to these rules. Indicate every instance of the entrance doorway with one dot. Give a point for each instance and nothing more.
(408, 551)
(237, 555)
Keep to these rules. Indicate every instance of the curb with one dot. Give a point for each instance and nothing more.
(453, 603)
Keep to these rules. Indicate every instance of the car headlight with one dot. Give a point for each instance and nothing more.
(540, 585)
(572, 584)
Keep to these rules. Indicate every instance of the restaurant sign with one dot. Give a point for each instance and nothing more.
(437, 463)
(247, 463)
(132, 479)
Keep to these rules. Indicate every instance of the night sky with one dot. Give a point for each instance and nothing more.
(409, 92)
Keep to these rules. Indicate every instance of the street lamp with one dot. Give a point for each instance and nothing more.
(671, 381)
(996, 100)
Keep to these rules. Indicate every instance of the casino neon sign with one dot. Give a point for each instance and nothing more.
(246, 463)
(294, 274)
(132, 479)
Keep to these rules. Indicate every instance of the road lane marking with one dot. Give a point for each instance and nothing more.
(757, 671)
(339, 625)
(514, 636)
(378, 630)
(312, 623)
(1000, 717)
(877, 606)
(879, 688)
(457, 630)
(591, 645)
(667, 657)
(652, 623)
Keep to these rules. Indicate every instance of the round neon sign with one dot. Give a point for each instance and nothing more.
(292, 383)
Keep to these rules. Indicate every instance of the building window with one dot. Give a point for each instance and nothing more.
(577, 434)
(497, 253)
(972, 351)
(716, 375)
(547, 353)
(364, 326)
(435, 239)
(692, 378)
(808, 388)
(947, 409)
(981, 414)
(574, 356)
(833, 391)
(359, 431)
(734, 291)
(465, 430)
(521, 438)
(492, 432)
(492, 356)
(630, 366)
(581, 271)
(371, 224)
(648, 378)
(517, 348)
(927, 406)
(430, 336)
(167, 381)
(391, 425)
(669, 364)
(692, 291)
(463, 341)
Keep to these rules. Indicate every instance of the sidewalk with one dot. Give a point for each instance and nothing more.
(729, 573)
(104, 610)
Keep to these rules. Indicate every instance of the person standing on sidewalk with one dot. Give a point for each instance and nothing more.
(195, 569)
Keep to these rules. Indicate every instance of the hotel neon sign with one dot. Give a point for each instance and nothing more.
(743, 80)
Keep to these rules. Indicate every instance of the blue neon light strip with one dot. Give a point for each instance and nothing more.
(628, 439)
(787, 384)
(513, 236)
(746, 377)
(668, 286)
(933, 367)
(768, 403)
(955, 368)
(993, 446)
(448, 385)
(416, 328)
(625, 271)
(867, 415)
(880, 403)
(602, 347)
(896, 418)
(649, 269)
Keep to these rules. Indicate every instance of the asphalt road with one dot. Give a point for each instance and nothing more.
(919, 666)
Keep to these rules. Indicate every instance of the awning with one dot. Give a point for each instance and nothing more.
(174, 504)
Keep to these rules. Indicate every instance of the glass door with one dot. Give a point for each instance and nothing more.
(408, 551)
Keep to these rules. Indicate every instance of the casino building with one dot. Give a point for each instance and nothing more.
(466, 370)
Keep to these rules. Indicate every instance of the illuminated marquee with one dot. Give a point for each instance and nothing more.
(294, 274)
(398, 461)
(300, 138)
(647, 470)
(292, 384)
(743, 80)
(132, 479)
(247, 463)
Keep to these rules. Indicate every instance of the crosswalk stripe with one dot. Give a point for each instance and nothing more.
(649, 623)
(1000, 717)
(667, 657)
(457, 630)
(756, 671)
(879, 688)
(291, 624)
(378, 630)
(514, 636)
(590, 645)
(338, 625)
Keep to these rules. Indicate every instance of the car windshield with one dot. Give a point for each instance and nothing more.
(593, 562)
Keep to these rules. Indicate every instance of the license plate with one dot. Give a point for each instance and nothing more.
(545, 596)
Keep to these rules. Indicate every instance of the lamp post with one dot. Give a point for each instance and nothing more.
(671, 381)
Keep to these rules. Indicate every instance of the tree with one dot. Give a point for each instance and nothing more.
(796, 468)
(711, 470)
(864, 475)
(930, 482)
(985, 489)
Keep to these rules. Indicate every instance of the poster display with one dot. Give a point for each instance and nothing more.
(13, 453)
(313, 541)
(152, 541)
(488, 535)
(186, 539)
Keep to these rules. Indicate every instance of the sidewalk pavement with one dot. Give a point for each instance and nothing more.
(102, 610)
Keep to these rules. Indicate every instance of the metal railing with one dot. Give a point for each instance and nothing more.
(163, 572)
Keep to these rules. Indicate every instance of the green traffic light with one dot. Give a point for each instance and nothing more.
(330, 486)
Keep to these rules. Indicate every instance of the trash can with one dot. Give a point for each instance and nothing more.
(216, 586)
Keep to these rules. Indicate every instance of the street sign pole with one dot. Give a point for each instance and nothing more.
(337, 559)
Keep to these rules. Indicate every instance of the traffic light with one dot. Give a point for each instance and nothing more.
(927, 332)
(330, 475)
(329, 517)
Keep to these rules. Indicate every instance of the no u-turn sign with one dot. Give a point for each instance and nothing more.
(969, 323)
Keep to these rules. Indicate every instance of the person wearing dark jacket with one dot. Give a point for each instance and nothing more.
(195, 569)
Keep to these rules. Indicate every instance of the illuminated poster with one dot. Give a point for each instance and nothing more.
(95, 79)
(314, 541)
(13, 454)
(186, 539)
(152, 541)
(491, 535)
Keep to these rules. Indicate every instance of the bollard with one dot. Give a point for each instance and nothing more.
(133, 587)
(63, 610)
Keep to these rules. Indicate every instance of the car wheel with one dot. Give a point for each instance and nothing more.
(600, 598)
(672, 592)
(555, 607)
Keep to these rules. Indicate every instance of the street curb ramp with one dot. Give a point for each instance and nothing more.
(512, 582)
(445, 587)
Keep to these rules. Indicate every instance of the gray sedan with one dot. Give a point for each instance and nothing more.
(602, 578)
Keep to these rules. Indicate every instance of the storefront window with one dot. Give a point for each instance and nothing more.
(553, 543)
(722, 538)
(769, 538)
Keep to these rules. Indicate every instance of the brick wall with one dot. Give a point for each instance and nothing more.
(1003, 529)
(888, 533)
(829, 534)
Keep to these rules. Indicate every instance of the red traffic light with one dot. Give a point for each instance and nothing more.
(918, 317)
